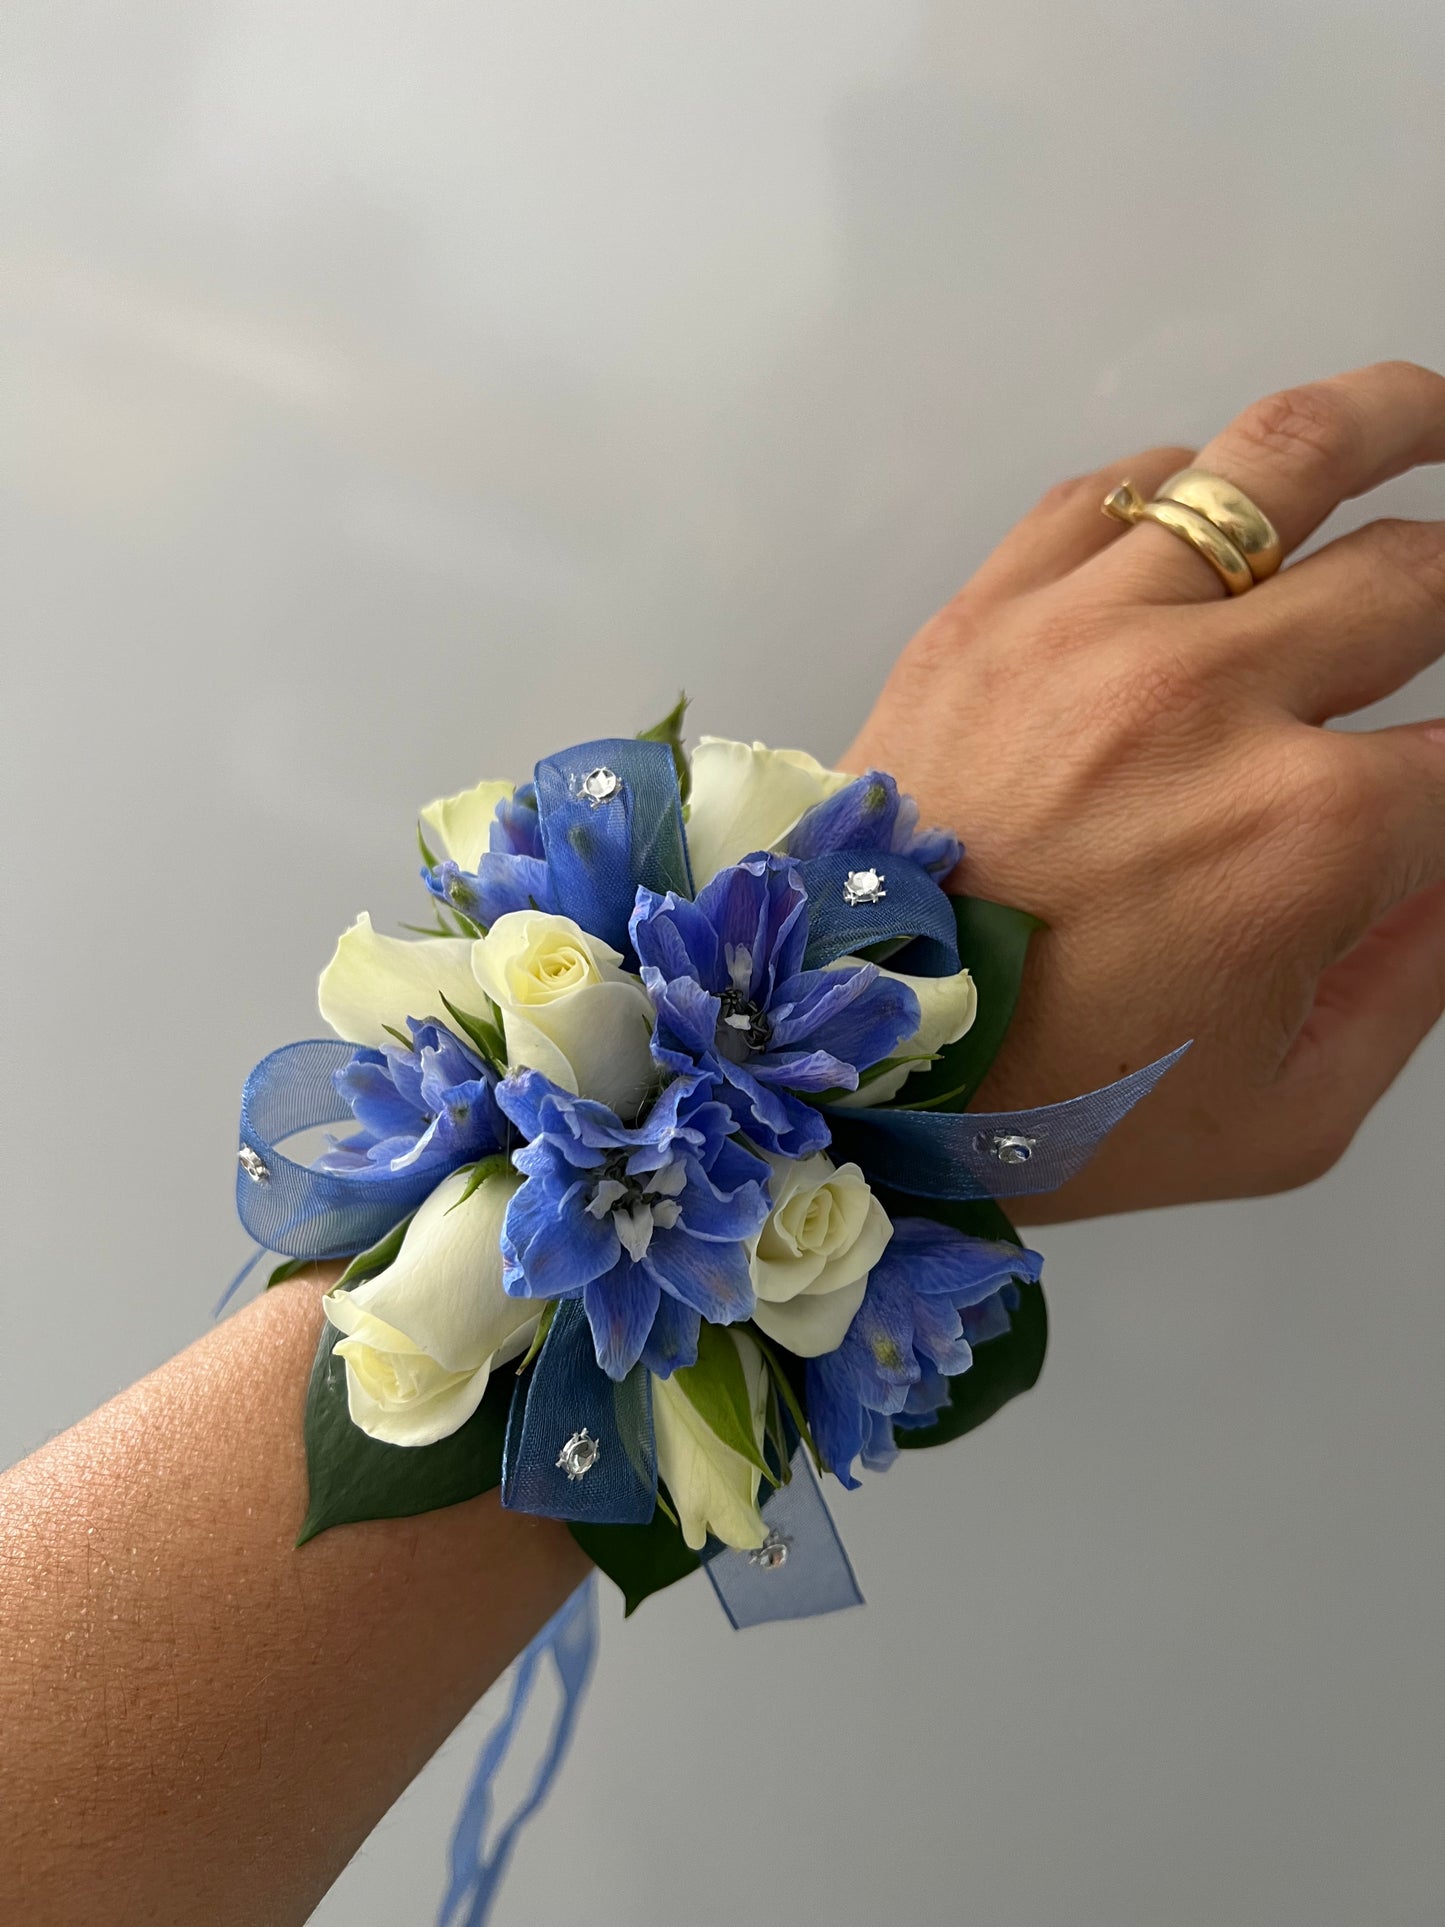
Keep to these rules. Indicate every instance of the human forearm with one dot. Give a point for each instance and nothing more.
(147, 1751)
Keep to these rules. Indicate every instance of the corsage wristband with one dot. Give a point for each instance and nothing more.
(658, 1187)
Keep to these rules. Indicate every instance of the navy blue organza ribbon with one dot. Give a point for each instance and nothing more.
(990, 1154)
(569, 1640)
(913, 911)
(579, 1444)
(602, 847)
(289, 1207)
(800, 1571)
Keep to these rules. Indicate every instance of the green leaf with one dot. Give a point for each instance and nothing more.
(484, 1033)
(421, 843)
(1002, 1368)
(289, 1269)
(789, 1386)
(484, 1168)
(539, 1337)
(367, 1263)
(717, 1388)
(400, 1036)
(639, 1560)
(993, 942)
(354, 1477)
(669, 731)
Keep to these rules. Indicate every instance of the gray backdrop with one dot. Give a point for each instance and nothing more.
(399, 391)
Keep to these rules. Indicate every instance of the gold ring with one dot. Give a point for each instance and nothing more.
(1126, 504)
(1232, 513)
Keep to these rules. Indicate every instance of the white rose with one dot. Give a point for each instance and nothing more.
(421, 1339)
(568, 1007)
(713, 1488)
(949, 1006)
(747, 797)
(811, 1260)
(375, 981)
(460, 827)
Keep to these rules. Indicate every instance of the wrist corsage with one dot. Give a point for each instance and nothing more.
(655, 1171)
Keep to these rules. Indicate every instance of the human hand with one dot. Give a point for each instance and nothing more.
(1141, 762)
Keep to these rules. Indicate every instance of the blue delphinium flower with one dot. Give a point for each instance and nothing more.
(510, 875)
(931, 1297)
(645, 1224)
(726, 978)
(427, 1108)
(872, 814)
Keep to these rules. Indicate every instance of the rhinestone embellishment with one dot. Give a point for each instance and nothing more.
(253, 1167)
(772, 1554)
(600, 785)
(863, 886)
(1012, 1147)
(579, 1455)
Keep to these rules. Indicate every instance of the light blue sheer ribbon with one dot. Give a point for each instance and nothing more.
(601, 849)
(565, 1403)
(801, 1570)
(569, 1640)
(293, 1208)
(912, 912)
(990, 1154)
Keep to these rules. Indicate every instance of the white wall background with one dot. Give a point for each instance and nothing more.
(395, 392)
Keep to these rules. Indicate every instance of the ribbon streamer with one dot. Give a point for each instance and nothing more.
(569, 1639)
(800, 1571)
(579, 1444)
(991, 1154)
(913, 911)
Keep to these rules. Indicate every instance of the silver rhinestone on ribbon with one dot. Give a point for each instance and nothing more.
(579, 1455)
(600, 785)
(863, 886)
(1011, 1147)
(252, 1165)
(772, 1554)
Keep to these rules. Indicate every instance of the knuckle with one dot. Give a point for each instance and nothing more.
(1314, 423)
(1065, 496)
(1414, 551)
(1401, 368)
(1308, 1151)
(1311, 795)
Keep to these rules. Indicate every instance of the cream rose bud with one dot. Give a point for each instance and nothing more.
(421, 1339)
(568, 1007)
(949, 1006)
(747, 797)
(374, 983)
(712, 1487)
(460, 827)
(811, 1260)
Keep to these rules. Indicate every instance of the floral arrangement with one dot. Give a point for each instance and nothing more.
(657, 1179)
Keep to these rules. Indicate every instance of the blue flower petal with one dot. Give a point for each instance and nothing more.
(721, 1216)
(555, 1243)
(672, 1343)
(855, 1014)
(675, 938)
(712, 1278)
(620, 1307)
(774, 1119)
